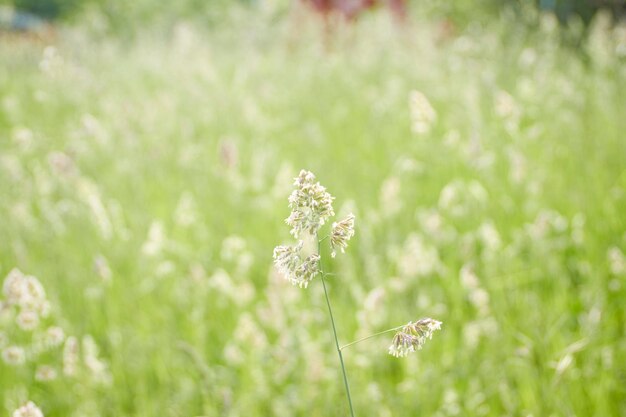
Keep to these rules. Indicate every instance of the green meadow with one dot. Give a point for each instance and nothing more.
(144, 183)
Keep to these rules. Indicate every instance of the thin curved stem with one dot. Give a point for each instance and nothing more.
(332, 320)
(370, 336)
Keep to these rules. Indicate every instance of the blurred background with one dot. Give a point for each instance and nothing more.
(147, 150)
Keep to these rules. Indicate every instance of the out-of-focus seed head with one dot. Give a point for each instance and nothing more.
(25, 291)
(13, 286)
(45, 373)
(91, 351)
(54, 336)
(617, 261)
(101, 266)
(28, 410)
(341, 233)
(27, 320)
(413, 336)
(422, 113)
(35, 292)
(310, 203)
(70, 356)
(14, 355)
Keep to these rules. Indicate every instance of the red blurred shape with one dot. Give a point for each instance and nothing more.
(350, 9)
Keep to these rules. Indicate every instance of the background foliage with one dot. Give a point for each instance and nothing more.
(144, 11)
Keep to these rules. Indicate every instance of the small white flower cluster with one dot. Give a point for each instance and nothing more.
(28, 410)
(413, 336)
(311, 206)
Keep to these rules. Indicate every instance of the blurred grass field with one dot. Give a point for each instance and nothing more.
(144, 182)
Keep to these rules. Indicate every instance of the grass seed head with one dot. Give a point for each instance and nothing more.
(413, 336)
(342, 232)
(287, 259)
(311, 205)
(307, 271)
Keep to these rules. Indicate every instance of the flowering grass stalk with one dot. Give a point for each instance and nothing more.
(332, 320)
(311, 208)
